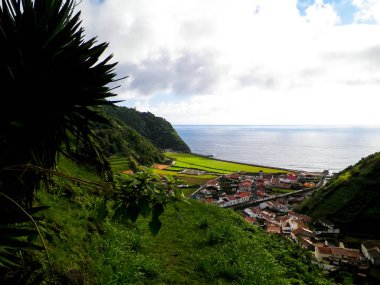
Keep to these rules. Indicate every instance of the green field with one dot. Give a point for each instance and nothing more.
(212, 167)
(119, 163)
(186, 160)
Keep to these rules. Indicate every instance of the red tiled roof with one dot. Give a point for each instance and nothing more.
(249, 219)
(345, 252)
(324, 250)
(232, 176)
(297, 231)
(212, 182)
(274, 229)
(245, 183)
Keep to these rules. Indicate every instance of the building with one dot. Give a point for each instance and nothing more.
(337, 255)
(371, 251)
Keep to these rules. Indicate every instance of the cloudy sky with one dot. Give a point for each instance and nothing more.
(245, 61)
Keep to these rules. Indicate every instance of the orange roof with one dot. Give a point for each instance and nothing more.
(127, 171)
(324, 250)
(212, 182)
(249, 219)
(297, 231)
(274, 229)
(246, 184)
(232, 176)
(345, 252)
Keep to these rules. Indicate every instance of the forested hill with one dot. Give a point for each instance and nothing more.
(121, 140)
(352, 199)
(159, 131)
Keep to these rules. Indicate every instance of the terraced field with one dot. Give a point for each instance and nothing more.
(119, 164)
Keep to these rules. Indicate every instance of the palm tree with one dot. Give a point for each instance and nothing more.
(52, 84)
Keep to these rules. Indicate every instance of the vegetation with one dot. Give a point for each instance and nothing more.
(53, 82)
(197, 244)
(126, 145)
(157, 130)
(54, 86)
(351, 199)
(191, 161)
(100, 228)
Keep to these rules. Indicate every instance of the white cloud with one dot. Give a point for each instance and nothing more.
(321, 14)
(369, 10)
(243, 61)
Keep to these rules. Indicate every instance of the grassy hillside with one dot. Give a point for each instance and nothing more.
(118, 139)
(157, 130)
(198, 244)
(352, 199)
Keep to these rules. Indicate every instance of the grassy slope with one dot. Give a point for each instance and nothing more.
(200, 244)
(351, 200)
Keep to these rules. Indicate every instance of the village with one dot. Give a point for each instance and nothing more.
(268, 200)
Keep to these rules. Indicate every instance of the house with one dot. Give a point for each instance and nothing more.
(371, 250)
(301, 231)
(254, 212)
(251, 220)
(213, 184)
(244, 197)
(330, 226)
(245, 185)
(273, 229)
(286, 228)
(260, 185)
(337, 255)
(306, 243)
(322, 253)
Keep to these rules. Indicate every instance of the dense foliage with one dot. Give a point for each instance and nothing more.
(159, 131)
(52, 82)
(118, 139)
(351, 200)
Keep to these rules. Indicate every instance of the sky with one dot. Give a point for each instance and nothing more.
(245, 62)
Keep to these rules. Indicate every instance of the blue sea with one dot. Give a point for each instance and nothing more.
(310, 148)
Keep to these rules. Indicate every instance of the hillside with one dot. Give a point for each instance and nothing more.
(157, 130)
(121, 140)
(198, 244)
(351, 200)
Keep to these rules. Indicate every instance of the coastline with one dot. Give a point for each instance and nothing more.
(256, 165)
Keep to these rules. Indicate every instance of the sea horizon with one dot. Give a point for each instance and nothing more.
(299, 147)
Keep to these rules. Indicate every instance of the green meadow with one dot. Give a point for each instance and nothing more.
(191, 161)
(212, 167)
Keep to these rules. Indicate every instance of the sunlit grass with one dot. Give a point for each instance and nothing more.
(209, 164)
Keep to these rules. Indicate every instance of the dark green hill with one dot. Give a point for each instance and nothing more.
(121, 140)
(159, 131)
(351, 200)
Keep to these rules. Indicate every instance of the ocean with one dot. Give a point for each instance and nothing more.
(310, 148)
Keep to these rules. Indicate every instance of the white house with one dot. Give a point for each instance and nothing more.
(371, 250)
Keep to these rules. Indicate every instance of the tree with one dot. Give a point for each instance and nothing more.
(53, 83)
